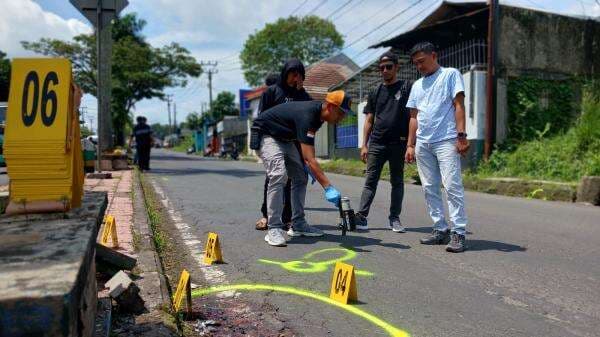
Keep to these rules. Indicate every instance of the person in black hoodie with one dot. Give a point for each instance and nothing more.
(289, 87)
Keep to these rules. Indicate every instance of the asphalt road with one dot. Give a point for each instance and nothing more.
(532, 268)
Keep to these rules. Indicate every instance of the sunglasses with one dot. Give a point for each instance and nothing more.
(386, 67)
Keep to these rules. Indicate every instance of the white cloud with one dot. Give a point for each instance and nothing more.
(25, 20)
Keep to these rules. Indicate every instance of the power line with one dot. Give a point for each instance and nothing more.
(397, 28)
(360, 24)
(337, 9)
(384, 23)
(298, 8)
(349, 9)
(317, 7)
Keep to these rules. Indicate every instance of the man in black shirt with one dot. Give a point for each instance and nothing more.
(143, 142)
(286, 87)
(279, 128)
(385, 133)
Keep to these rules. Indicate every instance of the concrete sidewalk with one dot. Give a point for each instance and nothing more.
(125, 203)
(120, 205)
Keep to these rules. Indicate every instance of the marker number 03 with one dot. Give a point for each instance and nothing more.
(48, 97)
(210, 247)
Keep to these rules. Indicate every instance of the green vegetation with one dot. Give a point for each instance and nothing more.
(538, 108)
(139, 70)
(184, 144)
(355, 167)
(308, 38)
(154, 216)
(4, 77)
(565, 156)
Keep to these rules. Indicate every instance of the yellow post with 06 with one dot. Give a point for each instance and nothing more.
(42, 146)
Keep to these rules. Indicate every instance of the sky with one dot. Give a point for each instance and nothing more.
(216, 31)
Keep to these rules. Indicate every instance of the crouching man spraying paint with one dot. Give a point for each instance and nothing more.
(273, 135)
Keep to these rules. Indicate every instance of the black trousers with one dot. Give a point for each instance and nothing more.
(378, 155)
(143, 153)
(286, 217)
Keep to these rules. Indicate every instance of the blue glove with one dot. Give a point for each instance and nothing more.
(309, 172)
(332, 195)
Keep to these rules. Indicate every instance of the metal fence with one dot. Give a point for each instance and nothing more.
(461, 56)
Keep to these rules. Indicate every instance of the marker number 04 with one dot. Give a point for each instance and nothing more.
(340, 282)
(29, 114)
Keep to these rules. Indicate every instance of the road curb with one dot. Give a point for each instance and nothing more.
(151, 269)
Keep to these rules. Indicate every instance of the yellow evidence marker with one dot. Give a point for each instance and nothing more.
(212, 251)
(343, 283)
(110, 230)
(184, 285)
(42, 146)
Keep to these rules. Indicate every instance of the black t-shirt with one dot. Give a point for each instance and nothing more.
(391, 117)
(291, 121)
(277, 94)
(142, 134)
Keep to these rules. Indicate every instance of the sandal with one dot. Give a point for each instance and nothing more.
(261, 224)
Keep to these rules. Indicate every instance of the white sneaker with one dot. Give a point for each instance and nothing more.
(396, 226)
(276, 237)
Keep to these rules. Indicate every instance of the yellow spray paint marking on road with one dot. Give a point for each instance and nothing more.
(390, 329)
(306, 266)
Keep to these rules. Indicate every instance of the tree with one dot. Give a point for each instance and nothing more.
(192, 121)
(139, 71)
(223, 105)
(4, 77)
(85, 131)
(308, 38)
(159, 130)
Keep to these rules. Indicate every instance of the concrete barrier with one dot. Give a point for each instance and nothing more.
(48, 274)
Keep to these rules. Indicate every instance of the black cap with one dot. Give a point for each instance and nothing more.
(388, 56)
(140, 119)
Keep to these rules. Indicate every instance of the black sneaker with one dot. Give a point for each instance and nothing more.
(437, 238)
(361, 222)
(457, 243)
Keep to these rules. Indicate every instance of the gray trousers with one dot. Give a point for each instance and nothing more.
(282, 160)
(378, 155)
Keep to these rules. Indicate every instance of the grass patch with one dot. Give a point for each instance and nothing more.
(184, 144)
(565, 157)
(354, 167)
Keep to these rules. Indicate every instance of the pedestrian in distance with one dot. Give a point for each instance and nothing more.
(282, 88)
(274, 134)
(143, 142)
(385, 135)
(437, 139)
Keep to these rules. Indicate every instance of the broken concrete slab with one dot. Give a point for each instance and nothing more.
(112, 258)
(48, 283)
(118, 284)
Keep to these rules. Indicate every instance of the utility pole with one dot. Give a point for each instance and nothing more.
(175, 116)
(82, 113)
(101, 13)
(490, 111)
(169, 99)
(212, 70)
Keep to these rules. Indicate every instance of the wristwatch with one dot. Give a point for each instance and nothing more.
(462, 135)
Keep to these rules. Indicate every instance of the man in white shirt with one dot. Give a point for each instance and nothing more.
(437, 138)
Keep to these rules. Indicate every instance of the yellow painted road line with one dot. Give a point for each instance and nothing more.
(390, 329)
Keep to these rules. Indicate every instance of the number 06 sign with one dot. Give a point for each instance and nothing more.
(40, 96)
